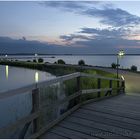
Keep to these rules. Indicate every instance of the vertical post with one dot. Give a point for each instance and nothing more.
(118, 86)
(35, 107)
(123, 86)
(110, 86)
(78, 83)
(99, 86)
(78, 87)
(117, 67)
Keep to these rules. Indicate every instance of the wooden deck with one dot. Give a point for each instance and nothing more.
(116, 117)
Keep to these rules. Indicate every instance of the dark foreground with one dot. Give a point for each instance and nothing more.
(117, 117)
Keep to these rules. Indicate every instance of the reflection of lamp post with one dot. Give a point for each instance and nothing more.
(6, 71)
(36, 78)
(119, 55)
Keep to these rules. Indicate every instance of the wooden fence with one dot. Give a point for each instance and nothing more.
(33, 118)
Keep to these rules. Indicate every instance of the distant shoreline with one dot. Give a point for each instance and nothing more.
(129, 54)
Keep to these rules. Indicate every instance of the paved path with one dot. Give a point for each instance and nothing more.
(132, 80)
(116, 117)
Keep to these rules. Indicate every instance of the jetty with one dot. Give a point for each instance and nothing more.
(110, 113)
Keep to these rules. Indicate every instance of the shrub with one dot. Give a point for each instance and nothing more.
(81, 62)
(28, 60)
(60, 61)
(113, 65)
(40, 60)
(134, 68)
(33, 60)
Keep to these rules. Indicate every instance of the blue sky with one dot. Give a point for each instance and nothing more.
(91, 25)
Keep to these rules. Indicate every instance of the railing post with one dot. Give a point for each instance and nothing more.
(123, 86)
(110, 86)
(78, 83)
(35, 107)
(99, 86)
(118, 86)
(78, 87)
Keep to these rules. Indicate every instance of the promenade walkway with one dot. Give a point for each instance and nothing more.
(115, 117)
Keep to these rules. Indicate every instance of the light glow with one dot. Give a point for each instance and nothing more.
(36, 77)
(122, 78)
(7, 71)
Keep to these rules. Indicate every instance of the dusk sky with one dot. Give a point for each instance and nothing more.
(69, 26)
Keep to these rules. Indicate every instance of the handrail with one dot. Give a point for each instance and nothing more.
(34, 90)
(24, 89)
(101, 77)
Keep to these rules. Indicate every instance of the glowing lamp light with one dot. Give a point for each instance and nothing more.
(122, 78)
(121, 53)
(36, 77)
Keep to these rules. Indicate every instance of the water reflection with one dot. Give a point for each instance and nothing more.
(6, 71)
(36, 77)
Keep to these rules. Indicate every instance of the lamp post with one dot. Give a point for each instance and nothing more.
(119, 55)
(36, 57)
(6, 57)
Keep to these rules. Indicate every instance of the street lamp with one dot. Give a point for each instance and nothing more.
(119, 55)
(6, 57)
(36, 57)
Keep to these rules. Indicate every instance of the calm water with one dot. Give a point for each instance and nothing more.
(125, 62)
(17, 106)
(13, 77)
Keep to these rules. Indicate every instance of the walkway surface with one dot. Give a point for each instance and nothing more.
(115, 117)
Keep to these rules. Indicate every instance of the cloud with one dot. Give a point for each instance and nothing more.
(105, 40)
(116, 17)
(96, 33)
(106, 33)
(73, 36)
(65, 5)
(104, 11)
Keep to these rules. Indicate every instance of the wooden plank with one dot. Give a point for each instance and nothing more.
(107, 121)
(109, 116)
(123, 101)
(95, 90)
(50, 125)
(111, 129)
(69, 133)
(122, 105)
(89, 130)
(120, 109)
(130, 100)
(52, 136)
(114, 112)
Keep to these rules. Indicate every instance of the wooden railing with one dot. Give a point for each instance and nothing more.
(33, 118)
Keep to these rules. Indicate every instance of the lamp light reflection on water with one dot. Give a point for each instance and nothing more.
(7, 71)
(36, 77)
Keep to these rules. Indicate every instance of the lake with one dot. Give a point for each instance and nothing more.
(96, 60)
(17, 106)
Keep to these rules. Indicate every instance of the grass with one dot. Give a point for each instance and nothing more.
(68, 87)
(59, 70)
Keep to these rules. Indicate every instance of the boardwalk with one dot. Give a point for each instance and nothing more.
(116, 117)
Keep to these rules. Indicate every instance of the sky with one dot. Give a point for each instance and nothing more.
(69, 26)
